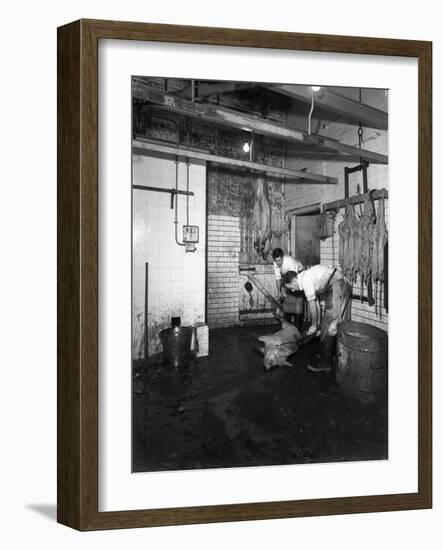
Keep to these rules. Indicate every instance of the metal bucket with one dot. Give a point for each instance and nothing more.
(362, 361)
(176, 343)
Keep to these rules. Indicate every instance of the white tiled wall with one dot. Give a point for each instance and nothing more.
(176, 283)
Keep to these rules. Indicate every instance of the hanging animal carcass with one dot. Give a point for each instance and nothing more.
(379, 237)
(348, 231)
(261, 218)
(366, 223)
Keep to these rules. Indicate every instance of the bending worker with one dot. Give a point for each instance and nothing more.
(329, 283)
(283, 263)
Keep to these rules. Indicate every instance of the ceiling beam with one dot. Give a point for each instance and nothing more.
(249, 123)
(335, 103)
(144, 146)
(205, 90)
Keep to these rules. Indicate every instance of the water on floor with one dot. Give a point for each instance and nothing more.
(225, 410)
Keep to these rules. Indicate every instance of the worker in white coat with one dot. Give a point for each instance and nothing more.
(283, 263)
(329, 283)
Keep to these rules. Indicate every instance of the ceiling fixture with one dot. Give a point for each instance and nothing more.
(315, 88)
(246, 147)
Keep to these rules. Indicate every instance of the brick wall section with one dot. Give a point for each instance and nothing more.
(223, 275)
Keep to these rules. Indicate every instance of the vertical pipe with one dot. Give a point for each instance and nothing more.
(146, 315)
(346, 183)
(176, 203)
(310, 112)
(176, 196)
(365, 177)
(187, 189)
(371, 300)
(287, 244)
(332, 236)
(385, 284)
(206, 218)
(251, 153)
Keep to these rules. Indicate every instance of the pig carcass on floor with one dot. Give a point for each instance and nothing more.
(226, 410)
(280, 345)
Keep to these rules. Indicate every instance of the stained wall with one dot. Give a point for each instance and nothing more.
(176, 281)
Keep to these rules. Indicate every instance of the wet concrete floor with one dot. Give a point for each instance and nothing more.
(226, 411)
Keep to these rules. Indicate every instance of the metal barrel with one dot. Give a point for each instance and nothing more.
(176, 343)
(362, 361)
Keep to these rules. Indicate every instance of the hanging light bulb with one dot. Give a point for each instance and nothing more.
(246, 147)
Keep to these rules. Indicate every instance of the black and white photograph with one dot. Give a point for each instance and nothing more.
(260, 223)
(214, 347)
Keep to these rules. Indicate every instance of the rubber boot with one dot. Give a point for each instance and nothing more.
(325, 362)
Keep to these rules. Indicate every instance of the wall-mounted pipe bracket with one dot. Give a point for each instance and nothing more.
(172, 191)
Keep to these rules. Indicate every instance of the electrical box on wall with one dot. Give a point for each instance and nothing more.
(190, 233)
